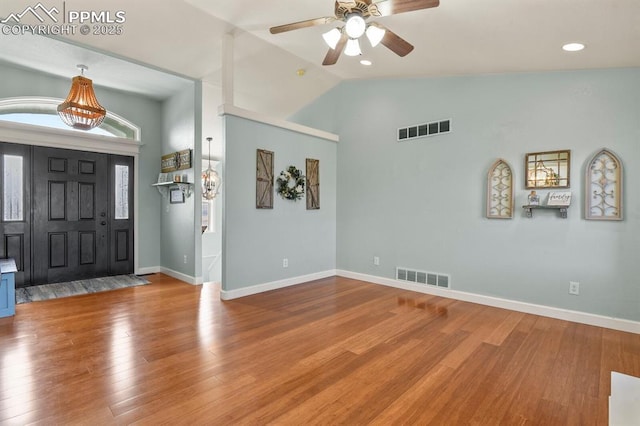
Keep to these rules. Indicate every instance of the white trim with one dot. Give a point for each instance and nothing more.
(148, 270)
(180, 276)
(274, 285)
(262, 118)
(30, 134)
(529, 308)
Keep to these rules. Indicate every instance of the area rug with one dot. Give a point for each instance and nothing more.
(74, 288)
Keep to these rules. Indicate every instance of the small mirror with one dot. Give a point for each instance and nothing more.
(547, 169)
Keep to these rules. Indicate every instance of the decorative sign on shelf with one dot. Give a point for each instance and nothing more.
(180, 160)
(559, 198)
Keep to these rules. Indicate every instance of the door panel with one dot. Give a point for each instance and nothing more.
(69, 195)
(121, 214)
(15, 226)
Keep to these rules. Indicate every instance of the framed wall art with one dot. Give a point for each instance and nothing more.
(176, 196)
(550, 169)
(603, 187)
(500, 189)
(264, 179)
(313, 184)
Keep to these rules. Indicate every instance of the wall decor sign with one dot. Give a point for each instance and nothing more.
(264, 179)
(313, 184)
(603, 187)
(180, 160)
(500, 198)
(559, 198)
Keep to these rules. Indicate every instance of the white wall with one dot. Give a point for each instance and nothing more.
(255, 241)
(178, 220)
(420, 203)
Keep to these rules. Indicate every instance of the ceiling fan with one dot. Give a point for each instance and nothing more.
(355, 14)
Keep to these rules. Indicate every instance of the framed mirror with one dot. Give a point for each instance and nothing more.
(549, 169)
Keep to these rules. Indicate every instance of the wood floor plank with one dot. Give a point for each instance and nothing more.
(332, 351)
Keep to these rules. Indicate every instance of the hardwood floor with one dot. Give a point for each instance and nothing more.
(334, 351)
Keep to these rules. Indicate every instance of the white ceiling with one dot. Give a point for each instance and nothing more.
(458, 37)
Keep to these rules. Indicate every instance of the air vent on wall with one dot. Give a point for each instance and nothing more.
(423, 277)
(423, 130)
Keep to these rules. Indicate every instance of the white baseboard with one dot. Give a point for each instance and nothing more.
(274, 285)
(148, 270)
(180, 276)
(529, 308)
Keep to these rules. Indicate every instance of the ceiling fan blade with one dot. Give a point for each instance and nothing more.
(334, 54)
(302, 24)
(393, 7)
(395, 43)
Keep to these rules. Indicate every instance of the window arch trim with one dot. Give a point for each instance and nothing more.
(117, 126)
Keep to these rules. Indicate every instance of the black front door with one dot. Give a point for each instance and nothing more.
(64, 214)
(70, 207)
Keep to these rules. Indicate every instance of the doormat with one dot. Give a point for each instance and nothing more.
(73, 288)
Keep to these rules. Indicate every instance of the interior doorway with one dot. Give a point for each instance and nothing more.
(66, 214)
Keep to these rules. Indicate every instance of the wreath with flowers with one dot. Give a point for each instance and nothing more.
(291, 184)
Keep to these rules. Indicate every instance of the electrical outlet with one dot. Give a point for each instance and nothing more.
(185, 258)
(376, 260)
(285, 263)
(574, 288)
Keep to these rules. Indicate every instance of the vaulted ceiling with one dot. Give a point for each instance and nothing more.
(457, 37)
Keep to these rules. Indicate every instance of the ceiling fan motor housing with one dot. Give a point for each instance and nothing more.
(346, 8)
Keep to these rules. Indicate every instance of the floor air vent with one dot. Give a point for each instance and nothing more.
(423, 130)
(423, 277)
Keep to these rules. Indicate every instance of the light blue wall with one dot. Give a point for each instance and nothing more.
(421, 203)
(255, 241)
(143, 112)
(178, 225)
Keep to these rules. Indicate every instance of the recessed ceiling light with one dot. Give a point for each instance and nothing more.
(365, 62)
(573, 47)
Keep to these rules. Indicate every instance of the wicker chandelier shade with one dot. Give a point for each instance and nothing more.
(81, 110)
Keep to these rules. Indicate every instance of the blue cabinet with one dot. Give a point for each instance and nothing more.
(7, 287)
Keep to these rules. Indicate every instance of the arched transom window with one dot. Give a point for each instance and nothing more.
(43, 112)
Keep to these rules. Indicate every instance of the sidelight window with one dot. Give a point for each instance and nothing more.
(13, 188)
(122, 192)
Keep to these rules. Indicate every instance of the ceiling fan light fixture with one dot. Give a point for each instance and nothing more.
(355, 25)
(332, 37)
(352, 48)
(375, 34)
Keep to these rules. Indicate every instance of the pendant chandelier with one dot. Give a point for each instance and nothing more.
(81, 109)
(210, 180)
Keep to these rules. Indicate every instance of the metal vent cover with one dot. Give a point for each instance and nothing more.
(423, 130)
(434, 279)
